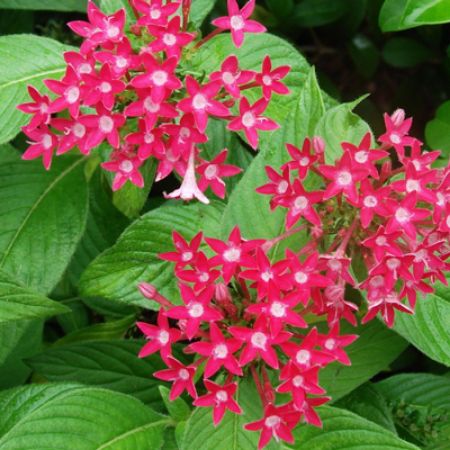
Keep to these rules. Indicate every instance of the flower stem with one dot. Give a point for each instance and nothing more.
(208, 37)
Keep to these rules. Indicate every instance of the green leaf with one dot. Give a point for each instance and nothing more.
(109, 364)
(428, 328)
(103, 227)
(343, 430)
(18, 303)
(247, 208)
(421, 405)
(178, 409)
(116, 273)
(256, 46)
(313, 13)
(8, 154)
(404, 52)
(42, 216)
(114, 329)
(70, 416)
(367, 402)
(398, 15)
(371, 353)
(365, 55)
(437, 131)
(46, 5)
(199, 11)
(26, 59)
(200, 433)
(340, 124)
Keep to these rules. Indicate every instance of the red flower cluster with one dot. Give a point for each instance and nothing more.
(244, 314)
(134, 93)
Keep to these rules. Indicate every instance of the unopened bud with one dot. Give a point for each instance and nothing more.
(148, 290)
(398, 116)
(222, 294)
(318, 145)
(334, 292)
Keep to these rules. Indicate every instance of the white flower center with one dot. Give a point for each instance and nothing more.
(304, 161)
(272, 421)
(79, 130)
(169, 39)
(105, 87)
(150, 106)
(395, 138)
(155, 14)
(106, 124)
(393, 263)
(303, 356)
(334, 264)
(159, 77)
(163, 337)
(301, 277)
(195, 310)
(186, 256)
(297, 381)
(440, 198)
(126, 166)
(237, 22)
(112, 31)
(84, 68)
(330, 344)
(199, 101)
(259, 340)
(221, 396)
(248, 119)
(282, 187)
(220, 351)
(277, 309)
(267, 276)
(381, 240)
(301, 202)
(402, 215)
(185, 132)
(447, 221)
(228, 78)
(121, 62)
(183, 374)
(149, 138)
(47, 141)
(267, 80)
(211, 171)
(344, 178)
(72, 94)
(370, 201)
(203, 277)
(361, 157)
(412, 185)
(377, 281)
(232, 254)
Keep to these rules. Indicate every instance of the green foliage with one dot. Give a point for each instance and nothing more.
(25, 59)
(398, 15)
(404, 52)
(438, 130)
(49, 5)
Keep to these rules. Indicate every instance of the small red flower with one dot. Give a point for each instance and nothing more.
(43, 144)
(40, 108)
(269, 79)
(126, 167)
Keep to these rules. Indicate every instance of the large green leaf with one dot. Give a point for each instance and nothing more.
(116, 273)
(367, 402)
(340, 124)
(42, 218)
(428, 328)
(26, 59)
(50, 5)
(70, 416)
(251, 54)
(246, 207)
(371, 353)
(421, 405)
(438, 129)
(18, 303)
(398, 15)
(110, 364)
(199, 10)
(343, 430)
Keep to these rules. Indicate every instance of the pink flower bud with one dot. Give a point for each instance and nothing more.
(222, 294)
(147, 290)
(318, 145)
(398, 116)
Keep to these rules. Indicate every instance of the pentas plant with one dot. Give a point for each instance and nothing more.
(133, 90)
(381, 209)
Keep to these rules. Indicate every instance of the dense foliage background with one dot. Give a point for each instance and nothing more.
(54, 224)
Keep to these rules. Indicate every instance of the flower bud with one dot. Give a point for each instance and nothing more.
(398, 116)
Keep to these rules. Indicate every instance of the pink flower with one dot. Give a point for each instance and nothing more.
(269, 79)
(381, 243)
(372, 202)
(169, 38)
(156, 13)
(333, 342)
(102, 88)
(307, 409)
(40, 108)
(196, 309)
(220, 398)
(202, 274)
(219, 352)
(74, 134)
(201, 102)
(159, 77)
(182, 377)
(189, 188)
(238, 21)
(43, 144)
(343, 178)
(104, 125)
(213, 171)
(122, 60)
(302, 159)
(82, 64)
(185, 253)
(250, 120)
(148, 139)
(259, 342)
(100, 29)
(161, 337)
(70, 93)
(231, 76)
(278, 422)
(126, 168)
(386, 305)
